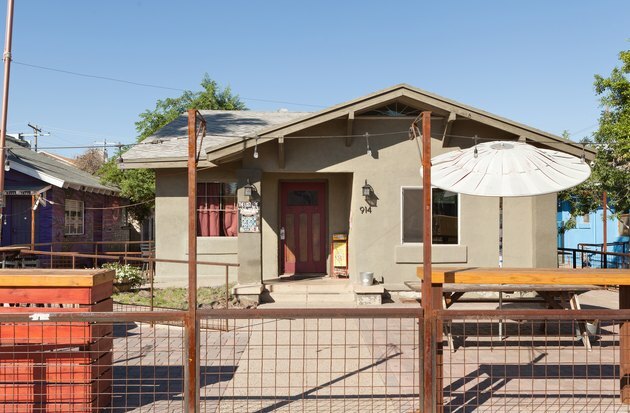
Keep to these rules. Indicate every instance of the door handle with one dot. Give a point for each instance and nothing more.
(282, 233)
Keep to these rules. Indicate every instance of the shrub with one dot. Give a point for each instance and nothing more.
(125, 273)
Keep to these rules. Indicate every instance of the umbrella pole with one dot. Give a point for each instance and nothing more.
(500, 260)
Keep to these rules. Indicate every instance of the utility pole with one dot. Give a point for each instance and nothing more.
(104, 143)
(36, 131)
(5, 97)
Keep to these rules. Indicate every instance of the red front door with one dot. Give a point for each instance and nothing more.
(303, 227)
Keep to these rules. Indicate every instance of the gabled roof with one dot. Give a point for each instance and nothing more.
(223, 127)
(45, 168)
(173, 136)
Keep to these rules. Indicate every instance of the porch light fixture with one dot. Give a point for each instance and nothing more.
(256, 148)
(367, 143)
(249, 189)
(367, 190)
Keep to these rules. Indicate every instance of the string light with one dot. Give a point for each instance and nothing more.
(256, 149)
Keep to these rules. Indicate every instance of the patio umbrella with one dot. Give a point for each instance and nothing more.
(507, 169)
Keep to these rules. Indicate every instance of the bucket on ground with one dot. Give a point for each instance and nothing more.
(367, 278)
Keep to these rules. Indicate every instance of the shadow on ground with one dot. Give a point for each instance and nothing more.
(137, 386)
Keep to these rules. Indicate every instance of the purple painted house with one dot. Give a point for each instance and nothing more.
(69, 206)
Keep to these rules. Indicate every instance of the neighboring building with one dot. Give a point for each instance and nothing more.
(73, 207)
(589, 234)
(307, 171)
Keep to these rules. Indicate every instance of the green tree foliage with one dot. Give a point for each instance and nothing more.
(611, 168)
(138, 185)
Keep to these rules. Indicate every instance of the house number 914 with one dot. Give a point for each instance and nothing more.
(366, 210)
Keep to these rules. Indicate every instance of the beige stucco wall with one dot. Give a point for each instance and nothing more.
(171, 228)
(374, 238)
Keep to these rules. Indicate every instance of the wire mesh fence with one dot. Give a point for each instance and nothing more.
(341, 360)
(514, 363)
(315, 361)
(74, 364)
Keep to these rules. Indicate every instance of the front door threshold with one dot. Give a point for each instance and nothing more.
(298, 277)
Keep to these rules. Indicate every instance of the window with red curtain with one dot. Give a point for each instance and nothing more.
(216, 209)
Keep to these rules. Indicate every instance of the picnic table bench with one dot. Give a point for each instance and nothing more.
(556, 277)
(553, 295)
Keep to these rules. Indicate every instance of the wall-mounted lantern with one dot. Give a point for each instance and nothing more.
(368, 191)
(370, 197)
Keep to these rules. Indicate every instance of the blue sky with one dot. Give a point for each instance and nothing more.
(530, 61)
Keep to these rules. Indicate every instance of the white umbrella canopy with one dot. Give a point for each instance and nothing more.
(507, 169)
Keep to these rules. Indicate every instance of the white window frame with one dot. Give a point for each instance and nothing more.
(584, 221)
(76, 227)
(459, 215)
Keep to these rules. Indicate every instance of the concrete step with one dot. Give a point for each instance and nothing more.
(309, 291)
(311, 298)
(332, 286)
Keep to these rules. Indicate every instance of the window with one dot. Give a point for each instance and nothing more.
(584, 221)
(124, 217)
(302, 198)
(216, 209)
(624, 225)
(73, 215)
(445, 211)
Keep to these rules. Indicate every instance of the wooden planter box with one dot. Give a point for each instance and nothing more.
(55, 366)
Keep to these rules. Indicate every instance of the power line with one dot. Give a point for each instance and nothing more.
(129, 82)
(111, 79)
(371, 135)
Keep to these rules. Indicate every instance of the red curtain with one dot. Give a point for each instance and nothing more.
(230, 220)
(208, 209)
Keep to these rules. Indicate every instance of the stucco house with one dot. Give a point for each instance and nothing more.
(274, 188)
(71, 208)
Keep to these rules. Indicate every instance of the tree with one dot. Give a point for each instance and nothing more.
(138, 185)
(90, 161)
(611, 167)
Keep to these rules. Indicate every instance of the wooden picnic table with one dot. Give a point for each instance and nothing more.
(555, 296)
(557, 277)
(549, 292)
(10, 253)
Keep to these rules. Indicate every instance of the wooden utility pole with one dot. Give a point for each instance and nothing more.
(191, 393)
(36, 131)
(431, 293)
(5, 98)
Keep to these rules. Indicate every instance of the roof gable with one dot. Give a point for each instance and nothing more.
(231, 132)
(421, 99)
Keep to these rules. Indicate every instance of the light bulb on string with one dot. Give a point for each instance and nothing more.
(256, 149)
